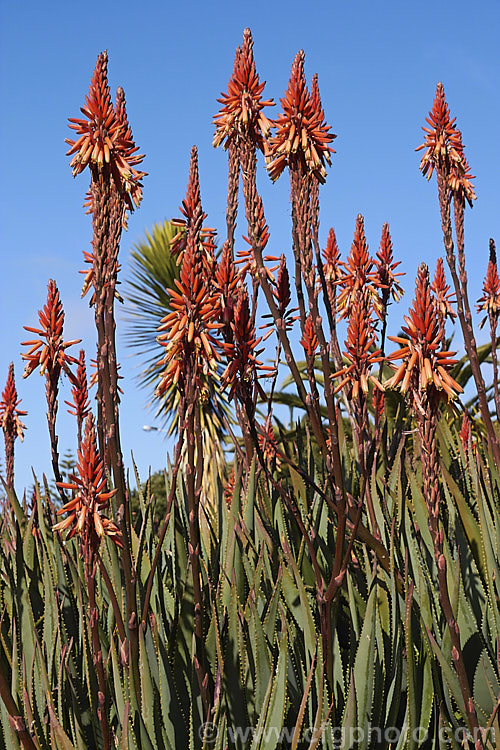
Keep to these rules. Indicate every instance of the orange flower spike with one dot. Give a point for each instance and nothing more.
(105, 139)
(442, 292)
(385, 267)
(442, 143)
(88, 482)
(331, 255)
(241, 115)
(359, 276)
(423, 364)
(460, 179)
(490, 301)
(9, 413)
(359, 353)
(309, 339)
(302, 134)
(241, 353)
(50, 354)
(80, 406)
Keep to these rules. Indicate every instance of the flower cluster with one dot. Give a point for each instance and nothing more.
(50, 355)
(105, 139)
(241, 353)
(424, 366)
(358, 278)
(360, 352)
(302, 135)
(444, 149)
(443, 296)
(385, 267)
(490, 301)
(241, 115)
(9, 413)
(85, 509)
(187, 331)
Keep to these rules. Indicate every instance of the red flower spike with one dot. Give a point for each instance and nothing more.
(84, 510)
(241, 354)
(359, 278)
(226, 284)
(105, 140)
(424, 366)
(80, 406)
(9, 413)
(331, 255)
(442, 141)
(385, 267)
(241, 116)
(50, 355)
(302, 135)
(490, 301)
(442, 292)
(309, 339)
(359, 353)
(191, 226)
(460, 179)
(187, 332)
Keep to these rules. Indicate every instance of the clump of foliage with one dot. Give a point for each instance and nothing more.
(336, 582)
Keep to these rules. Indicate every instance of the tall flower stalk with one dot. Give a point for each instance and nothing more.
(84, 519)
(423, 376)
(49, 354)
(444, 154)
(490, 304)
(190, 363)
(105, 145)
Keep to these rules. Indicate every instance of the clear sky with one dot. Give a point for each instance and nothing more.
(378, 64)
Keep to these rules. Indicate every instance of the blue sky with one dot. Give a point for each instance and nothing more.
(378, 64)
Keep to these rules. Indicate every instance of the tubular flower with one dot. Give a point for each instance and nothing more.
(241, 115)
(302, 134)
(490, 301)
(443, 145)
(9, 413)
(360, 354)
(268, 444)
(50, 354)
(443, 297)
(424, 367)
(84, 510)
(385, 267)
(241, 353)
(359, 278)
(105, 139)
